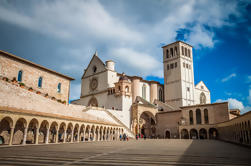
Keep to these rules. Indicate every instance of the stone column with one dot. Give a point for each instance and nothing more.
(135, 88)
(72, 136)
(84, 135)
(11, 135)
(25, 135)
(194, 117)
(47, 136)
(202, 117)
(78, 137)
(57, 136)
(89, 135)
(64, 136)
(37, 135)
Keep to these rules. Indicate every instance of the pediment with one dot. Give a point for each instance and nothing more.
(96, 65)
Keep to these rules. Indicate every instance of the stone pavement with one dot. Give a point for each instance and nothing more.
(141, 152)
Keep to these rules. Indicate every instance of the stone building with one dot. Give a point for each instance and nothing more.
(34, 107)
(34, 103)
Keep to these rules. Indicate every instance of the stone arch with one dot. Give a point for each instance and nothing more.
(93, 102)
(69, 132)
(202, 98)
(20, 127)
(92, 133)
(184, 134)
(82, 132)
(5, 130)
(96, 134)
(53, 132)
(193, 134)
(203, 133)
(88, 133)
(213, 133)
(43, 131)
(167, 134)
(147, 123)
(62, 132)
(32, 132)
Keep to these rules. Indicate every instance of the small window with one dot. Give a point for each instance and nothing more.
(167, 53)
(188, 89)
(185, 51)
(182, 49)
(59, 87)
(94, 69)
(172, 66)
(167, 67)
(112, 108)
(20, 76)
(175, 64)
(189, 53)
(184, 64)
(175, 51)
(119, 88)
(40, 81)
(202, 87)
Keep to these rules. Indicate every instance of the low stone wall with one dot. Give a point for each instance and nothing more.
(237, 130)
(16, 97)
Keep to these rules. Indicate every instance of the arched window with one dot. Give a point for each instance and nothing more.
(206, 116)
(93, 102)
(191, 117)
(202, 98)
(172, 52)
(167, 53)
(40, 81)
(160, 95)
(20, 76)
(144, 91)
(198, 116)
(127, 89)
(59, 87)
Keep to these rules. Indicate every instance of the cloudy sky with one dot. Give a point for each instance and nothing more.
(64, 34)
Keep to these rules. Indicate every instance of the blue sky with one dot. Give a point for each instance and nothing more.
(63, 35)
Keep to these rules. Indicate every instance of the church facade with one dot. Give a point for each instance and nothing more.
(35, 108)
(148, 107)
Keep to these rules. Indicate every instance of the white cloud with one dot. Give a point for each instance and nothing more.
(229, 77)
(140, 61)
(132, 36)
(235, 104)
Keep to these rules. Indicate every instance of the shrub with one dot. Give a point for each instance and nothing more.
(21, 84)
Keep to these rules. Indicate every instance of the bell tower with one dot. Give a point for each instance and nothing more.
(178, 74)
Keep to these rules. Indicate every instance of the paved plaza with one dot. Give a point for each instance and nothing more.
(141, 152)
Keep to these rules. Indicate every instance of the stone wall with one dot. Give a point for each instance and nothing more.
(237, 130)
(168, 121)
(10, 68)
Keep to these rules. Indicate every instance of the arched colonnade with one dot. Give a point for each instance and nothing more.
(16, 129)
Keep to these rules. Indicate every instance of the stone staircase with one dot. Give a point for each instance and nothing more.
(130, 133)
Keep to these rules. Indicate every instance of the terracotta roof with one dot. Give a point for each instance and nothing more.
(34, 64)
(49, 115)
